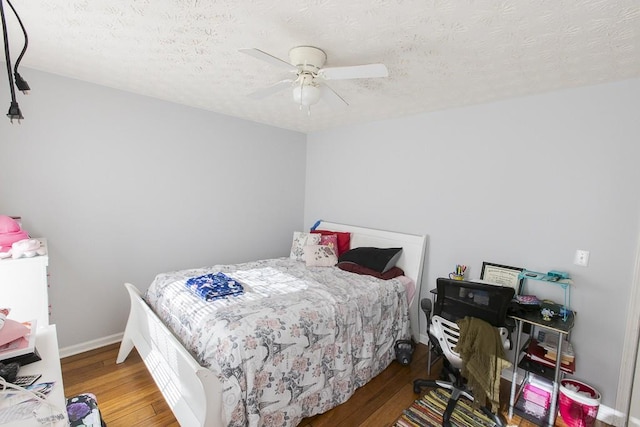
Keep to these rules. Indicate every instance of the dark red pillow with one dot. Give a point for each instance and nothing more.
(344, 239)
(359, 269)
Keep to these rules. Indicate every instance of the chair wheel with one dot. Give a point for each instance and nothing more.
(417, 389)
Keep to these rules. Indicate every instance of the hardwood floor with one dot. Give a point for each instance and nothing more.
(127, 395)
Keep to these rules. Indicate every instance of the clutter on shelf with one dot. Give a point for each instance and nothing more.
(548, 309)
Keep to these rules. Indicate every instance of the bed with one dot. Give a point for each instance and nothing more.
(192, 386)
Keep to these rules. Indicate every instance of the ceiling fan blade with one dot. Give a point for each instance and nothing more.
(264, 56)
(332, 97)
(270, 90)
(354, 72)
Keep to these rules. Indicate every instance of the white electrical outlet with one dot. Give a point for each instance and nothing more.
(581, 258)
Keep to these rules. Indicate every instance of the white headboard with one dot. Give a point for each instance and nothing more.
(411, 260)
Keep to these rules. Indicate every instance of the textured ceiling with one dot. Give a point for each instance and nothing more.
(439, 53)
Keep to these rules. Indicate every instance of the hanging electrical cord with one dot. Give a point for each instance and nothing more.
(21, 83)
(14, 108)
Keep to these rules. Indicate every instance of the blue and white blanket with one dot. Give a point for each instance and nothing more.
(214, 286)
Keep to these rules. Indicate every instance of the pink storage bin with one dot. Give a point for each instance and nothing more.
(579, 403)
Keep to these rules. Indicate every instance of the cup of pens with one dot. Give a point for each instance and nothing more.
(458, 273)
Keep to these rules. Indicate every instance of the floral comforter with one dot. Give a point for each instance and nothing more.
(296, 343)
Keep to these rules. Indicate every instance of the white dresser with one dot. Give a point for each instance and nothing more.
(23, 288)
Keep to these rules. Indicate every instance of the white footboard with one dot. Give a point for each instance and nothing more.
(193, 392)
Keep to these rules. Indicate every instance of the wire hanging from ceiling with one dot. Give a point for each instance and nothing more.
(20, 83)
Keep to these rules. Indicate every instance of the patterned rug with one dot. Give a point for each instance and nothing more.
(427, 411)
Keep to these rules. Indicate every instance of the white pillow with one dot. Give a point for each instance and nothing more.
(300, 240)
(319, 256)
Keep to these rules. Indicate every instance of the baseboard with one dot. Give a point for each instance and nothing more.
(611, 416)
(605, 414)
(424, 339)
(90, 345)
(507, 374)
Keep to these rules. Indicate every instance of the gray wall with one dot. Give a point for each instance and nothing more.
(523, 182)
(125, 187)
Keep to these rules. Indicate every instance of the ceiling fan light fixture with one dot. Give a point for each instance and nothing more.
(309, 84)
(306, 94)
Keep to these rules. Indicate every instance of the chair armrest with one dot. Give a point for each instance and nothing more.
(425, 304)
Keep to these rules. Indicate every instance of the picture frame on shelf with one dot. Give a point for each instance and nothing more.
(503, 275)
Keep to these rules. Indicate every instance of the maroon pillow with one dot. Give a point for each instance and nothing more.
(344, 239)
(359, 269)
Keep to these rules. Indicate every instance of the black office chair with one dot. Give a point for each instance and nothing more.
(455, 300)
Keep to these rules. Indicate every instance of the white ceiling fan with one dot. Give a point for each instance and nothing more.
(309, 83)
